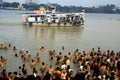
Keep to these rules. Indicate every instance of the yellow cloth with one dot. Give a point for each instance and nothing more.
(67, 62)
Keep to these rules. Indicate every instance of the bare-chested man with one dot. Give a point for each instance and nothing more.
(43, 68)
(37, 58)
(33, 64)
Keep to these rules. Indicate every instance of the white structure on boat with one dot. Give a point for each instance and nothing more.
(51, 18)
(20, 7)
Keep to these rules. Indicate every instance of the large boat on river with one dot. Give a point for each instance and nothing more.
(50, 17)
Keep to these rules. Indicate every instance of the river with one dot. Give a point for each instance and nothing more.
(100, 30)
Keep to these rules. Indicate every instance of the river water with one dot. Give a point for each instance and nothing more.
(100, 30)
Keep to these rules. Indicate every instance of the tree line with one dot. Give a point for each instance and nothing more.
(109, 8)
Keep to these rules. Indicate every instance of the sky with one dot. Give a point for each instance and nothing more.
(84, 3)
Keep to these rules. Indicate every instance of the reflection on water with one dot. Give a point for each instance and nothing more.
(53, 36)
(50, 33)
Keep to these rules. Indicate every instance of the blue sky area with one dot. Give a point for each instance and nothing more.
(84, 3)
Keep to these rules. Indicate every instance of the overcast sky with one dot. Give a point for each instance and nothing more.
(84, 3)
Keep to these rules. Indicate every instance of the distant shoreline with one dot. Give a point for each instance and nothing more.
(33, 12)
(108, 8)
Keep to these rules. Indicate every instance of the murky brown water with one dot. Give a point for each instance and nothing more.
(99, 30)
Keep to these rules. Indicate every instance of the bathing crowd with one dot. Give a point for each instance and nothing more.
(92, 65)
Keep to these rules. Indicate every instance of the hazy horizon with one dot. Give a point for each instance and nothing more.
(84, 3)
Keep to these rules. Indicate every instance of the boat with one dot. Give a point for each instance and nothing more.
(50, 17)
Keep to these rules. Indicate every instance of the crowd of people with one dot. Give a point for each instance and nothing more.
(92, 65)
